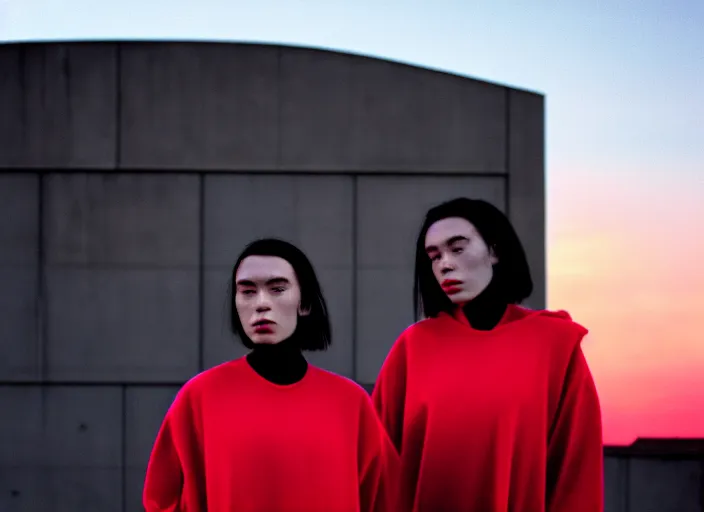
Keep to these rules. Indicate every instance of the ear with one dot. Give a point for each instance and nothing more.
(492, 256)
(303, 311)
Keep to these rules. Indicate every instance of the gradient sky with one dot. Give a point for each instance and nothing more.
(624, 88)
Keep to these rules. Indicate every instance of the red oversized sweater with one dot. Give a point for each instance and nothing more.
(494, 421)
(233, 441)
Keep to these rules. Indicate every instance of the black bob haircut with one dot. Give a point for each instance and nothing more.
(312, 330)
(512, 278)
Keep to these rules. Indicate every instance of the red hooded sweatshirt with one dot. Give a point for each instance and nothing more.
(494, 421)
(234, 442)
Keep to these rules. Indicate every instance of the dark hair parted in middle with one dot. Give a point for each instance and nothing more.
(312, 330)
(511, 277)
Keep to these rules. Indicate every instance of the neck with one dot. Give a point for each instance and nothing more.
(280, 363)
(485, 311)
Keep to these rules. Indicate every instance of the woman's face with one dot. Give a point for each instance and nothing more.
(461, 261)
(267, 298)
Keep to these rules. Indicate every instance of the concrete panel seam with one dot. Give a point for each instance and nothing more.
(627, 486)
(701, 484)
(507, 128)
(278, 107)
(47, 383)
(354, 276)
(42, 324)
(23, 84)
(507, 154)
(118, 105)
(445, 173)
(201, 272)
(123, 447)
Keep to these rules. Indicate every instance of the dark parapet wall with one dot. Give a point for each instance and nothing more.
(658, 475)
(209, 106)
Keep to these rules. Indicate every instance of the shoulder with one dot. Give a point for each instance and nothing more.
(343, 395)
(556, 330)
(338, 384)
(210, 379)
(416, 338)
(556, 321)
(423, 335)
(424, 329)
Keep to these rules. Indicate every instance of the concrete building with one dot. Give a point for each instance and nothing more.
(132, 174)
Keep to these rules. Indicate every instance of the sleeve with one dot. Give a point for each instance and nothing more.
(174, 480)
(575, 477)
(378, 464)
(389, 393)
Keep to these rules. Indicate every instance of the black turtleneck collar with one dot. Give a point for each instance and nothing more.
(485, 311)
(280, 363)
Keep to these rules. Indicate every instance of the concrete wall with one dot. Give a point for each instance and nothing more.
(132, 174)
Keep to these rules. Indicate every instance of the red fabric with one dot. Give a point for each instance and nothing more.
(233, 441)
(492, 421)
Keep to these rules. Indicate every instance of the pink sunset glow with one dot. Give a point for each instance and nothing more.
(628, 266)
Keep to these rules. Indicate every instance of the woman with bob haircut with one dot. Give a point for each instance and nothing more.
(491, 405)
(269, 432)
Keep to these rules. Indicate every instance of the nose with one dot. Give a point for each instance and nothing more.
(262, 303)
(446, 264)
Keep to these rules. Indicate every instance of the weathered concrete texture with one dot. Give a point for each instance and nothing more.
(20, 351)
(145, 408)
(62, 449)
(247, 107)
(20, 346)
(117, 325)
(19, 223)
(665, 486)
(39, 489)
(526, 198)
(344, 112)
(122, 219)
(58, 104)
(22, 430)
(122, 279)
(199, 106)
(313, 212)
(389, 215)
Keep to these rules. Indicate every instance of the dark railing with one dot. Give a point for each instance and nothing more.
(666, 449)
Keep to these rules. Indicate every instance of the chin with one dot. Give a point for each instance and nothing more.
(264, 339)
(460, 299)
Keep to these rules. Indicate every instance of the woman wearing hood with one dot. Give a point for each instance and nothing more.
(491, 405)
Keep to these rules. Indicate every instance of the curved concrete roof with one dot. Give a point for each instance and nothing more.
(244, 106)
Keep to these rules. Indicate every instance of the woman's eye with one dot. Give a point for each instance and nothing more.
(279, 289)
(457, 250)
(247, 292)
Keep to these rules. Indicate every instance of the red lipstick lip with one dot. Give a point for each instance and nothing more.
(263, 326)
(262, 323)
(449, 286)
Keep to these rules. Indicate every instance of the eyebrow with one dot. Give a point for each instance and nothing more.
(270, 282)
(449, 241)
